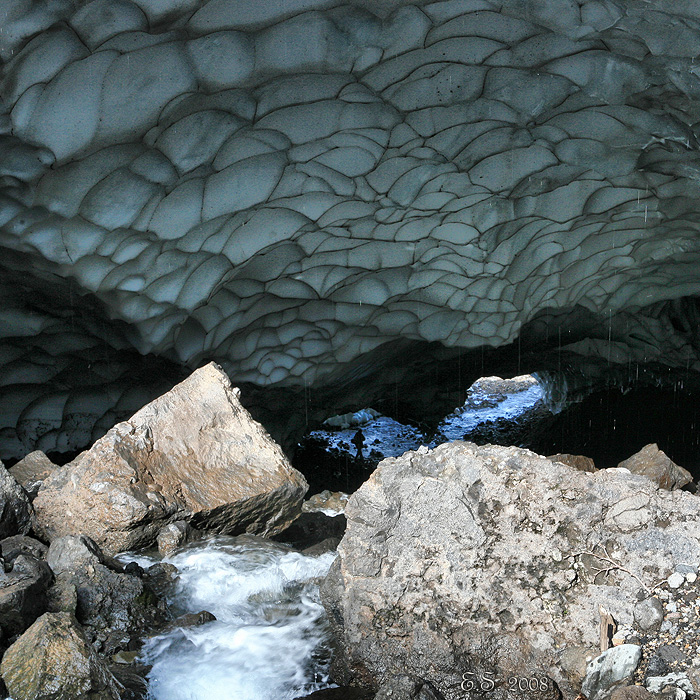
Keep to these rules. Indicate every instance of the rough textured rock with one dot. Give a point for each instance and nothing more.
(193, 454)
(15, 509)
(53, 660)
(631, 692)
(580, 462)
(671, 681)
(649, 614)
(612, 668)
(327, 502)
(31, 471)
(11, 547)
(653, 463)
(470, 558)
(406, 688)
(172, 536)
(113, 607)
(23, 593)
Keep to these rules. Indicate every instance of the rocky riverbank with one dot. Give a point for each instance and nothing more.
(463, 572)
(191, 462)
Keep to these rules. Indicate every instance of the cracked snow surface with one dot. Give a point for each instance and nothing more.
(285, 187)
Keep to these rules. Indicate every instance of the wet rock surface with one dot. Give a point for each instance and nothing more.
(490, 559)
(193, 454)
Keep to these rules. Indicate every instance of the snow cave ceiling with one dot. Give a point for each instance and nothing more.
(317, 194)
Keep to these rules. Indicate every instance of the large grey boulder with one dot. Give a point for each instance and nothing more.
(15, 508)
(656, 465)
(469, 559)
(53, 660)
(193, 454)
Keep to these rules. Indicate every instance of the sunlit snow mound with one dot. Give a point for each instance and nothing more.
(284, 187)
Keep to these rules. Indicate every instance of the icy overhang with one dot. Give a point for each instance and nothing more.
(286, 187)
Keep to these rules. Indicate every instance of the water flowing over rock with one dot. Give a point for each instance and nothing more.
(193, 454)
(53, 659)
(469, 559)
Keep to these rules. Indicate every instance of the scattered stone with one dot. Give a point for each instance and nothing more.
(54, 659)
(172, 536)
(16, 513)
(472, 585)
(574, 661)
(193, 454)
(23, 593)
(649, 614)
(326, 502)
(11, 547)
(610, 669)
(189, 620)
(675, 580)
(133, 679)
(403, 687)
(112, 606)
(125, 657)
(659, 684)
(160, 578)
(666, 656)
(583, 464)
(691, 577)
(631, 692)
(63, 597)
(31, 472)
(134, 569)
(653, 463)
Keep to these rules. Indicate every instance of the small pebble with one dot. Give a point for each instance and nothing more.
(675, 580)
(691, 577)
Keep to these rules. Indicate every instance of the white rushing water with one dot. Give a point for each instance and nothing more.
(268, 641)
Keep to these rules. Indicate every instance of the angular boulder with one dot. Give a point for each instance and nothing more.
(194, 454)
(15, 509)
(53, 659)
(656, 465)
(31, 471)
(494, 560)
